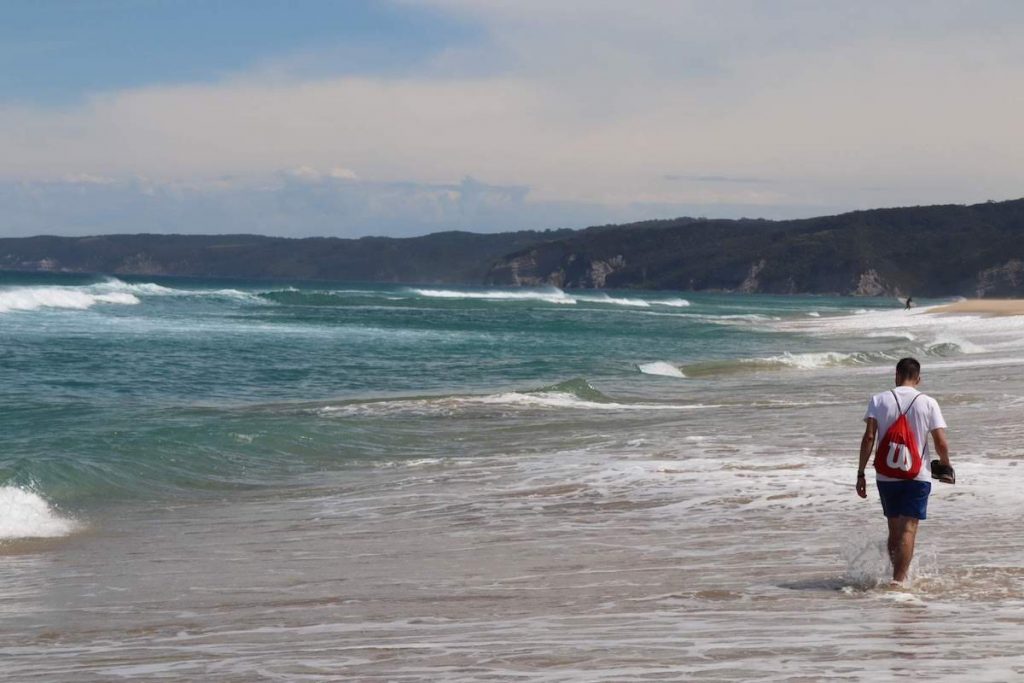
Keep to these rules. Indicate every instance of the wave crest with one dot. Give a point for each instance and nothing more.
(616, 301)
(552, 295)
(660, 368)
(787, 361)
(24, 514)
(110, 291)
(115, 286)
(74, 298)
(574, 394)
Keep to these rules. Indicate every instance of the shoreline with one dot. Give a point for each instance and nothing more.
(989, 307)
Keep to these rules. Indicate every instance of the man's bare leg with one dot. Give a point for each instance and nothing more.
(902, 534)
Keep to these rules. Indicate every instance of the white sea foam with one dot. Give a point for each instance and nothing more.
(565, 400)
(738, 318)
(415, 462)
(145, 289)
(660, 368)
(550, 295)
(892, 334)
(111, 291)
(76, 298)
(24, 514)
(124, 298)
(810, 360)
(553, 295)
(955, 343)
(455, 405)
(935, 334)
(617, 301)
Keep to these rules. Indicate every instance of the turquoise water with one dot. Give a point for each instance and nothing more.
(148, 387)
(249, 481)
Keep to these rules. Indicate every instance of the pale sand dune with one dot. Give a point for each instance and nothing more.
(984, 306)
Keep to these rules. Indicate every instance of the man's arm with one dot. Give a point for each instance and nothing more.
(941, 445)
(867, 444)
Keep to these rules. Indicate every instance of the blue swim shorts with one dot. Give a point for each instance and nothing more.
(905, 498)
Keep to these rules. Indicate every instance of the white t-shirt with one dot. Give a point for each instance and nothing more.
(924, 416)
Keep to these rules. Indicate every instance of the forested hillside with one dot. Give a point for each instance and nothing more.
(930, 251)
(927, 251)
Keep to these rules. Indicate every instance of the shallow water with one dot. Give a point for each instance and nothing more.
(246, 482)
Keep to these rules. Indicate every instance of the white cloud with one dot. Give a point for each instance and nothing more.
(594, 104)
(310, 174)
(88, 179)
(307, 204)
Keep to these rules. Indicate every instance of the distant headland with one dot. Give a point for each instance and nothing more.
(974, 251)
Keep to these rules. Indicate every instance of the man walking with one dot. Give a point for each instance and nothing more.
(905, 417)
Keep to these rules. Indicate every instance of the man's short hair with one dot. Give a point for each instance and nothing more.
(908, 368)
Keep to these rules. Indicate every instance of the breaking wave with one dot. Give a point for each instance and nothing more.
(825, 359)
(786, 360)
(110, 291)
(575, 394)
(829, 359)
(660, 368)
(951, 346)
(24, 514)
(76, 298)
(617, 301)
(333, 297)
(147, 289)
(553, 295)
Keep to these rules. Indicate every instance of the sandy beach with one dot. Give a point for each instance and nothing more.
(984, 306)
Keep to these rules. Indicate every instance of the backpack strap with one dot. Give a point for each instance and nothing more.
(912, 402)
(898, 407)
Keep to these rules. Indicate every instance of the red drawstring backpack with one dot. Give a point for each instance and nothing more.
(898, 455)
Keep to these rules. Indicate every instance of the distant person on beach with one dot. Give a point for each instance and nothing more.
(910, 301)
(903, 472)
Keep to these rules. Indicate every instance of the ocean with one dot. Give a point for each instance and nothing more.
(205, 480)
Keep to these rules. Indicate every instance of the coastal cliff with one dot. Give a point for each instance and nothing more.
(945, 250)
(928, 251)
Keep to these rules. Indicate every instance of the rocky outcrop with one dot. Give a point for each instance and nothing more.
(552, 264)
(871, 284)
(600, 270)
(1004, 280)
(540, 266)
(751, 284)
(520, 271)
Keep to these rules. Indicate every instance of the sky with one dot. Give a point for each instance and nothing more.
(401, 117)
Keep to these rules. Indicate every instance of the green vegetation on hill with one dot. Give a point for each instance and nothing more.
(925, 251)
(451, 257)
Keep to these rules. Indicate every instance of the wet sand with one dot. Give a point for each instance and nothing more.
(666, 555)
(994, 307)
